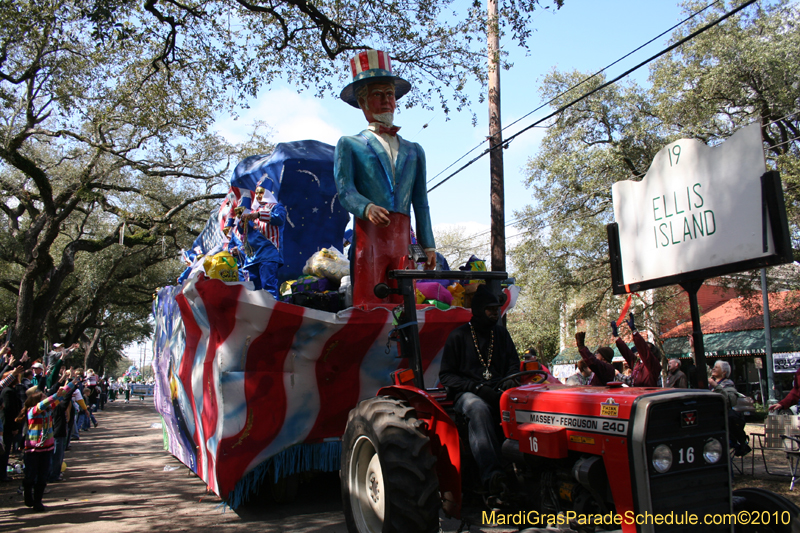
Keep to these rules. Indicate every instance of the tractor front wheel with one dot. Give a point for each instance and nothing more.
(766, 512)
(388, 475)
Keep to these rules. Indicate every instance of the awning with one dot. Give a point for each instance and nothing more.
(737, 343)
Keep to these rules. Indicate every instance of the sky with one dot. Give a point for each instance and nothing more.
(585, 34)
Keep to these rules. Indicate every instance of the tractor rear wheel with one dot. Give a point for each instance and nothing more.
(389, 482)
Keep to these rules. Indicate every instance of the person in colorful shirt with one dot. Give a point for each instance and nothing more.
(39, 441)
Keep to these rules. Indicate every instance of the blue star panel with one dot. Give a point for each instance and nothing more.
(300, 175)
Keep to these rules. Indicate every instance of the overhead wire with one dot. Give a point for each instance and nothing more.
(585, 80)
(666, 50)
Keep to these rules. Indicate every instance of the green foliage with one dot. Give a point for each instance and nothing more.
(108, 164)
(243, 45)
(96, 148)
(720, 81)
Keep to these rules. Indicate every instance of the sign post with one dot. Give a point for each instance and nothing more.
(699, 212)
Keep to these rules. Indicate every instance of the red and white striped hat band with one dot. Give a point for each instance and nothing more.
(372, 66)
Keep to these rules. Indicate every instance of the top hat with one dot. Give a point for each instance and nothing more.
(372, 66)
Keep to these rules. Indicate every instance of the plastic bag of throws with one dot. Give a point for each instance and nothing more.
(328, 263)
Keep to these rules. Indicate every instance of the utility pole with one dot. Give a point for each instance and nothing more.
(498, 228)
(771, 399)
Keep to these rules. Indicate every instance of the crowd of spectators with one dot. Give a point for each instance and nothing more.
(43, 409)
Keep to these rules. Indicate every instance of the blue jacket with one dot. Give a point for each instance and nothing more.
(263, 248)
(363, 172)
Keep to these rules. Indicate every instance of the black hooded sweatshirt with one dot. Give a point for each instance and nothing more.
(462, 369)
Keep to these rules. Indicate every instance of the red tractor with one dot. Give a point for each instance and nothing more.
(635, 459)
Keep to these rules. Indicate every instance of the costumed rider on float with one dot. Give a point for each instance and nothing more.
(476, 361)
(379, 176)
(257, 238)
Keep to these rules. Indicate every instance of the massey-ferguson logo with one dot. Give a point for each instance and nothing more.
(688, 419)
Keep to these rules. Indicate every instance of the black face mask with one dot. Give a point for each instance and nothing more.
(481, 321)
(480, 301)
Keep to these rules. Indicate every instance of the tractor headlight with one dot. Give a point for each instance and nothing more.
(662, 458)
(712, 451)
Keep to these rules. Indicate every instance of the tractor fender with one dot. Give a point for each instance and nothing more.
(442, 431)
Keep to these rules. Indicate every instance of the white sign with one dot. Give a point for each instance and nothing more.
(786, 362)
(697, 207)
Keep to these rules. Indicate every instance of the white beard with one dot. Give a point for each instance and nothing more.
(387, 119)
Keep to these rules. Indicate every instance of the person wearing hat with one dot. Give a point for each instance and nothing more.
(59, 351)
(379, 177)
(599, 363)
(477, 358)
(38, 374)
(39, 441)
(262, 231)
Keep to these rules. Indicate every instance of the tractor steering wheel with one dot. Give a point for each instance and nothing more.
(517, 377)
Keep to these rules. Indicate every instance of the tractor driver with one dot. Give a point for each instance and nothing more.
(476, 360)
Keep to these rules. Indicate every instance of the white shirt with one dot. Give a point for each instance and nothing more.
(389, 143)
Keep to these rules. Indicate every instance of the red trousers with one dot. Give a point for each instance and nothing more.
(378, 250)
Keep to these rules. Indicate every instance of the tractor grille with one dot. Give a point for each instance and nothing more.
(691, 485)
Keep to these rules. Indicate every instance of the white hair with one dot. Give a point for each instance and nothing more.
(363, 90)
(724, 366)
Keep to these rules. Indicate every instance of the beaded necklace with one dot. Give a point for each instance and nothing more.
(486, 364)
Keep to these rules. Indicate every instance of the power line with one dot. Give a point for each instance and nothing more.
(684, 21)
(642, 174)
(599, 88)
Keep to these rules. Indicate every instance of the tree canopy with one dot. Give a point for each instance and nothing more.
(108, 159)
(244, 44)
(744, 70)
(105, 163)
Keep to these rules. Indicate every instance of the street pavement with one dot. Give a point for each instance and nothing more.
(116, 482)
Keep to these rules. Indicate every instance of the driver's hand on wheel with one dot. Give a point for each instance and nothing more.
(509, 384)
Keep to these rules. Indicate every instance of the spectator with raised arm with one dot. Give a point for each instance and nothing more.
(599, 363)
(10, 407)
(39, 442)
(646, 369)
(792, 398)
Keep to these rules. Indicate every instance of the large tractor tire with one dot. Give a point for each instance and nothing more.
(388, 475)
(768, 512)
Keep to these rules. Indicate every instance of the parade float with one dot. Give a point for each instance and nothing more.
(254, 390)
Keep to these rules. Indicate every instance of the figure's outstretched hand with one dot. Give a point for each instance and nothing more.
(580, 339)
(24, 357)
(430, 264)
(631, 323)
(378, 215)
(614, 330)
